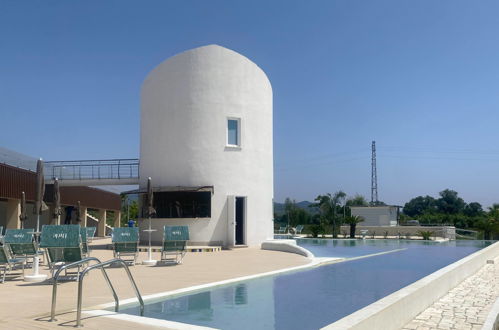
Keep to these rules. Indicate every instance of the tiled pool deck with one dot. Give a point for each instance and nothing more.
(27, 305)
(464, 307)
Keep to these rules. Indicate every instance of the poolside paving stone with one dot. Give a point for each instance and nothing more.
(465, 306)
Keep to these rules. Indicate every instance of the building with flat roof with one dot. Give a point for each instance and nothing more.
(385, 215)
(15, 180)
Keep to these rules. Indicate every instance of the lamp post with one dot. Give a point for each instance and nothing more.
(39, 207)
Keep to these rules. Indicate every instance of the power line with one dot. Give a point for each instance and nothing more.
(318, 160)
(440, 150)
(437, 158)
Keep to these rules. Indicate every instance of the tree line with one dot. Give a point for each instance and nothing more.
(447, 209)
(450, 209)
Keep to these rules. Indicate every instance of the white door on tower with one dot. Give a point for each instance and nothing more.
(231, 220)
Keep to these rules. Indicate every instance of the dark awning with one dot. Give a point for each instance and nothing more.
(171, 189)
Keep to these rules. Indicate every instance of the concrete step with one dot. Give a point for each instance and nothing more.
(92, 217)
(194, 248)
(108, 227)
(242, 246)
(188, 248)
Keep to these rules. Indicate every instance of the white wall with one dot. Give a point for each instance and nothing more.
(185, 104)
(376, 215)
(30, 222)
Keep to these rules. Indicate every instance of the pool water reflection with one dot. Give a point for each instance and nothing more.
(316, 297)
(347, 248)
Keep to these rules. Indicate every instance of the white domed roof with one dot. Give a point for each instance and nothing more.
(208, 55)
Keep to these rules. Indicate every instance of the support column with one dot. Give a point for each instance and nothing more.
(117, 219)
(83, 215)
(101, 226)
(54, 221)
(13, 212)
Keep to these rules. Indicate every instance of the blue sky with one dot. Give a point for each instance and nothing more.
(419, 77)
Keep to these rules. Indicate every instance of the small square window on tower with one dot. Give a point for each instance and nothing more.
(234, 132)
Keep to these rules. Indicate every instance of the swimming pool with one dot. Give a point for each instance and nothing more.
(348, 248)
(313, 298)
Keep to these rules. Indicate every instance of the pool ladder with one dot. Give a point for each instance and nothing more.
(99, 265)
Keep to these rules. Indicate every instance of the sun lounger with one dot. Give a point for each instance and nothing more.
(90, 233)
(8, 263)
(20, 243)
(63, 244)
(282, 230)
(174, 243)
(126, 243)
(298, 229)
(84, 241)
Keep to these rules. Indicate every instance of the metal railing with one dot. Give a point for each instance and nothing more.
(92, 169)
(101, 266)
(466, 234)
(73, 265)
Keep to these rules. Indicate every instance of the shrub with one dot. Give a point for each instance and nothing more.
(385, 235)
(407, 235)
(315, 230)
(426, 234)
(374, 234)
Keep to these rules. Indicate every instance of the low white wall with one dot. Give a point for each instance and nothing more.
(399, 308)
(286, 245)
(443, 231)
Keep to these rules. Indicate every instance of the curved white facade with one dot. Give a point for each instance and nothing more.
(186, 102)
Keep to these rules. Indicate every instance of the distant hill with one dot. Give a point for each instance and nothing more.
(279, 207)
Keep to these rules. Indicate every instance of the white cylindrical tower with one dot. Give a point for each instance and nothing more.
(206, 121)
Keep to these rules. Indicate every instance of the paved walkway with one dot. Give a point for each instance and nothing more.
(464, 307)
(26, 305)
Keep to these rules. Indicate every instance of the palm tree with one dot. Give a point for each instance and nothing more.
(323, 202)
(328, 205)
(490, 224)
(338, 199)
(289, 207)
(353, 220)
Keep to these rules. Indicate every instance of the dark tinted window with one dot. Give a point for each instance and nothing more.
(183, 204)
